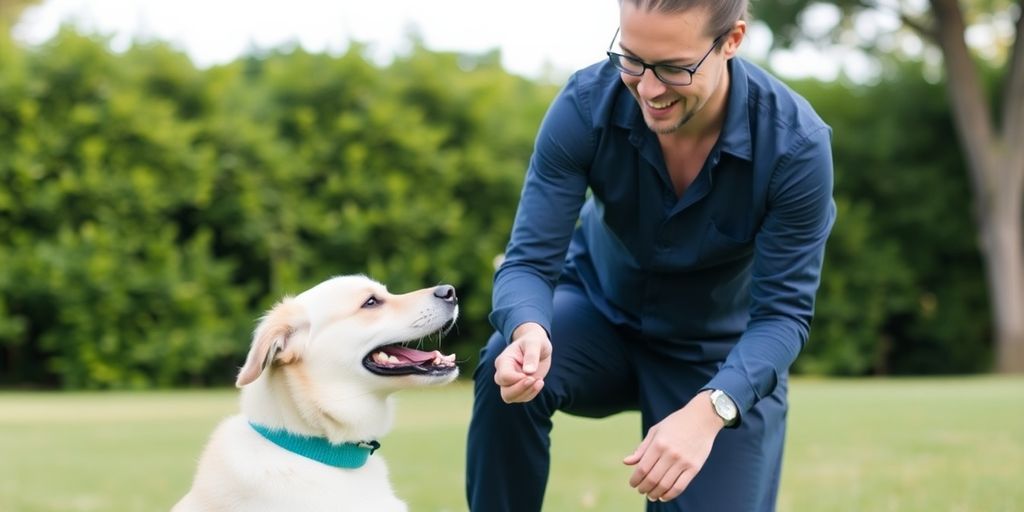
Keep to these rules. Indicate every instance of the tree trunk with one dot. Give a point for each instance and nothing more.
(1001, 242)
(995, 160)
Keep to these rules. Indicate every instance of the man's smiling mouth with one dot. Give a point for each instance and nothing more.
(660, 105)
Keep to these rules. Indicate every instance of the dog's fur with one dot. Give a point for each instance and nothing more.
(308, 372)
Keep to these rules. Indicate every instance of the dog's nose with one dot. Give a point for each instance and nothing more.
(446, 292)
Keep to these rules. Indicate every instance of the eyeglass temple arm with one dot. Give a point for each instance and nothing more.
(612, 42)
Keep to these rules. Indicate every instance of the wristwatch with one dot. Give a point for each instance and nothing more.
(724, 407)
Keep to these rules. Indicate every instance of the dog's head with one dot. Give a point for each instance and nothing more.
(351, 328)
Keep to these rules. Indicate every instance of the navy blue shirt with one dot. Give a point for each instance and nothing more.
(730, 269)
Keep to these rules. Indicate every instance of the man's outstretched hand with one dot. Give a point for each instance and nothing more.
(520, 369)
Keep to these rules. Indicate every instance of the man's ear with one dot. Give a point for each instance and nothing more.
(732, 42)
(273, 341)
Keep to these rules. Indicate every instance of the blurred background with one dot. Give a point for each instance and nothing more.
(169, 170)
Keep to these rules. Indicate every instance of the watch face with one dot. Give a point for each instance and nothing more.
(728, 409)
(725, 406)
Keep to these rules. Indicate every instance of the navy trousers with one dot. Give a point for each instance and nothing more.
(599, 369)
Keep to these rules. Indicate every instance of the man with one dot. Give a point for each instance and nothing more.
(682, 285)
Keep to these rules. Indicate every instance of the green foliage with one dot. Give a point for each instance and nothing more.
(861, 283)
(150, 211)
(101, 287)
(903, 290)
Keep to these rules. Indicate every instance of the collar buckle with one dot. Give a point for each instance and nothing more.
(373, 446)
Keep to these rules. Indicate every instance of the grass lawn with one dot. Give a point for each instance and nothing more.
(942, 444)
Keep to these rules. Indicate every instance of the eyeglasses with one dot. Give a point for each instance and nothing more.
(671, 75)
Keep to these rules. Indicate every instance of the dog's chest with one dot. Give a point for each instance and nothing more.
(245, 466)
(311, 486)
(348, 490)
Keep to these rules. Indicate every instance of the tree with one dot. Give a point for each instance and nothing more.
(991, 136)
(10, 10)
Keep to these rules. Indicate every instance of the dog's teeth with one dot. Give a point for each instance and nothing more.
(437, 361)
(393, 360)
(380, 357)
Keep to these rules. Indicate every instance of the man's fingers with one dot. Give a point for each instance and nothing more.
(682, 482)
(532, 391)
(646, 463)
(654, 477)
(515, 392)
(522, 391)
(505, 371)
(531, 357)
(643, 467)
(665, 483)
(634, 457)
(516, 384)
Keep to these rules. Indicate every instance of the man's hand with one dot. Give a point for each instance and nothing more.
(674, 450)
(520, 368)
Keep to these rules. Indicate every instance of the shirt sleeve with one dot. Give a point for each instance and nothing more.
(549, 206)
(788, 253)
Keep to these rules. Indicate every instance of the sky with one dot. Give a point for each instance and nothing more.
(536, 37)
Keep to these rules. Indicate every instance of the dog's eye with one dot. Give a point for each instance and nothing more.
(372, 302)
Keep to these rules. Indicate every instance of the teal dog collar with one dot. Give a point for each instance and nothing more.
(344, 455)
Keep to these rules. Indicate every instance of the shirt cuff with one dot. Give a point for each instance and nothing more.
(522, 316)
(734, 384)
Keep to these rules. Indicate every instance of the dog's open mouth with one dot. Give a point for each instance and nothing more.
(398, 359)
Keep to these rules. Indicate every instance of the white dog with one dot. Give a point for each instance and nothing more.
(316, 397)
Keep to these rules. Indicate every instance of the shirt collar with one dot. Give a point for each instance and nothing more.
(735, 138)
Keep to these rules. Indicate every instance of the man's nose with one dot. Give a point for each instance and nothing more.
(649, 85)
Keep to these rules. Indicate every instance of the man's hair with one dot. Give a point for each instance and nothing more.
(722, 14)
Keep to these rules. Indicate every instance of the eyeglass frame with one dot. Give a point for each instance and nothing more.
(614, 59)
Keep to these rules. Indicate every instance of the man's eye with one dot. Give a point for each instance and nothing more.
(372, 302)
(664, 70)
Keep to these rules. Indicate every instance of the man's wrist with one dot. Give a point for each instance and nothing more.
(526, 328)
(724, 407)
(709, 418)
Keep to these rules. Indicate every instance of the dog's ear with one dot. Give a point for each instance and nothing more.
(273, 340)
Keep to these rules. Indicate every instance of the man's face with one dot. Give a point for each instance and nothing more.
(678, 39)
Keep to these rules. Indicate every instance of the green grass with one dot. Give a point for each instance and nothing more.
(950, 444)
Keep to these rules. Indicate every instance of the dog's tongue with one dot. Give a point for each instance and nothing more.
(412, 355)
(394, 356)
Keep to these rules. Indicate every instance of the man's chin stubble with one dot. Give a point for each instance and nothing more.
(665, 131)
